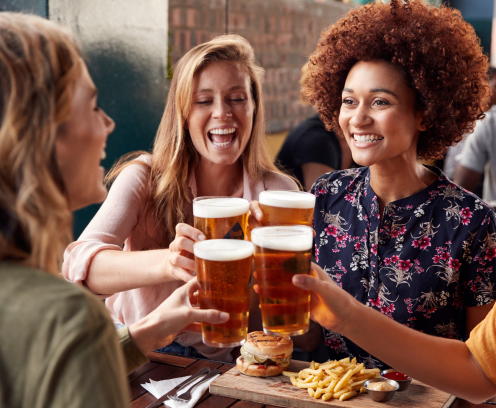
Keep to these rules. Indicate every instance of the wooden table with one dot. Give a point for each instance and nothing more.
(164, 366)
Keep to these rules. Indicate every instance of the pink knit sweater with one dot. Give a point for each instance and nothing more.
(124, 223)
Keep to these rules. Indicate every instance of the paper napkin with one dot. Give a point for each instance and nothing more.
(159, 388)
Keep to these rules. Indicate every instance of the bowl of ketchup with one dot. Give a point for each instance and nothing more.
(402, 379)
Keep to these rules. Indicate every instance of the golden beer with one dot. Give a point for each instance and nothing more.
(223, 268)
(286, 207)
(221, 217)
(280, 253)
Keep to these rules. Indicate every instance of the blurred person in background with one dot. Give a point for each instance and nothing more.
(211, 142)
(477, 156)
(311, 150)
(58, 345)
(396, 234)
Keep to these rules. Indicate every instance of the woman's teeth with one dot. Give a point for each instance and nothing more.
(222, 131)
(367, 138)
(222, 144)
(219, 138)
(103, 155)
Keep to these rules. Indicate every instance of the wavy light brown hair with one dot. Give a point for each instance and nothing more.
(174, 155)
(39, 65)
(438, 53)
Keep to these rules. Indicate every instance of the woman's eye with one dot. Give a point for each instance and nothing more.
(238, 100)
(380, 102)
(203, 102)
(97, 108)
(347, 101)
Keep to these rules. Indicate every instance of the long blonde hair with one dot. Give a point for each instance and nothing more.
(174, 156)
(39, 65)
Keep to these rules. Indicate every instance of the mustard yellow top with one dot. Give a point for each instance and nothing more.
(482, 344)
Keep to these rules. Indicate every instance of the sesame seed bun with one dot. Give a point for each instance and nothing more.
(264, 355)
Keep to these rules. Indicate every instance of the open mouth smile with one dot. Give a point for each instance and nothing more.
(371, 138)
(222, 137)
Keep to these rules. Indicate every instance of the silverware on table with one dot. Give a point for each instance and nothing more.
(185, 397)
(160, 401)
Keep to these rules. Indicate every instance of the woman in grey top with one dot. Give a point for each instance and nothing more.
(58, 346)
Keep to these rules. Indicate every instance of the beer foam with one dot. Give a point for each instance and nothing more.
(223, 249)
(220, 207)
(287, 199)
(284, 238)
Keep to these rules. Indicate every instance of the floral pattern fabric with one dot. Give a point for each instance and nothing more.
(432, 256)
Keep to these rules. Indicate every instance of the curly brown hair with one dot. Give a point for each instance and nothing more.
(437, 51)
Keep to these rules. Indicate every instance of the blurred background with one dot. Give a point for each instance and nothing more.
(130, 47)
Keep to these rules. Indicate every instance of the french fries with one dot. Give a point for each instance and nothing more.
(341, 379)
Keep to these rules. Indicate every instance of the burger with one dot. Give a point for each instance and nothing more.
(264, 355)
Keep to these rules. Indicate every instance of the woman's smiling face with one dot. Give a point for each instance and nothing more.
(220, 121)
(378, 116)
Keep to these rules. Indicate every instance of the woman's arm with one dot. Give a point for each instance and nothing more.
(175, 314)
(97, 258)
(117, 271)
(443, 363)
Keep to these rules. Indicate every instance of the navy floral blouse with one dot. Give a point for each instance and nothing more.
(432, 256)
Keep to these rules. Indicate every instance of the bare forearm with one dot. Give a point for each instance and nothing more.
(117, 271)
(443, 363)
(466, 178)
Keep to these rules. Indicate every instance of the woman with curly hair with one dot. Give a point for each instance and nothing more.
(401, 82)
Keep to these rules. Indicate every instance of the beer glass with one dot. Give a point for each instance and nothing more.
(221, 217)
(223, 268)
(286, 207)
(280, 253)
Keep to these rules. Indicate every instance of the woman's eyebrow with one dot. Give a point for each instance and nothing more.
(232, 88)
(375, 90)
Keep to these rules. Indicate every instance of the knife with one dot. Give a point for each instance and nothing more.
(160, 401)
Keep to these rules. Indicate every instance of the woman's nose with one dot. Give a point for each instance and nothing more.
(222, 110)
(109, 123)
(360, 117)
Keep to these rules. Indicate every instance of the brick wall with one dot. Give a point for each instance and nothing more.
(283, 34)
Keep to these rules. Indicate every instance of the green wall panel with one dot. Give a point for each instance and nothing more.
(39, 7)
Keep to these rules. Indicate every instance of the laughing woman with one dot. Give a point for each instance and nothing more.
(58, 346)
(210, 143)
(401, 82)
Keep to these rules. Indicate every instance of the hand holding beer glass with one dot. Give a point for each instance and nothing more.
(280, 253)
(223, 269)
(221, 217)
(286, 207)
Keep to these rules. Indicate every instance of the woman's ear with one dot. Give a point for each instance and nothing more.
(421, 125)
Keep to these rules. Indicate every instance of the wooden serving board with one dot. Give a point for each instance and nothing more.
(280, 392)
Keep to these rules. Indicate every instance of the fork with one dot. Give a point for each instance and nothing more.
(185, 397)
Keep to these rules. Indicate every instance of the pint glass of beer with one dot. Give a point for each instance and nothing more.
(223, 268)
(286, 207)
(221, 217)
(280, 253)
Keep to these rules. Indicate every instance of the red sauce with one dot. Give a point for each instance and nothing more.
(396, 376)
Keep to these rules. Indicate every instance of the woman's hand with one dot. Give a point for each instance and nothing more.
(181, 260)
(174, 315)
(256, 215)
(330, 305)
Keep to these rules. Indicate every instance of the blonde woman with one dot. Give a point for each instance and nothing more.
(58, 346)
(210, 142)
